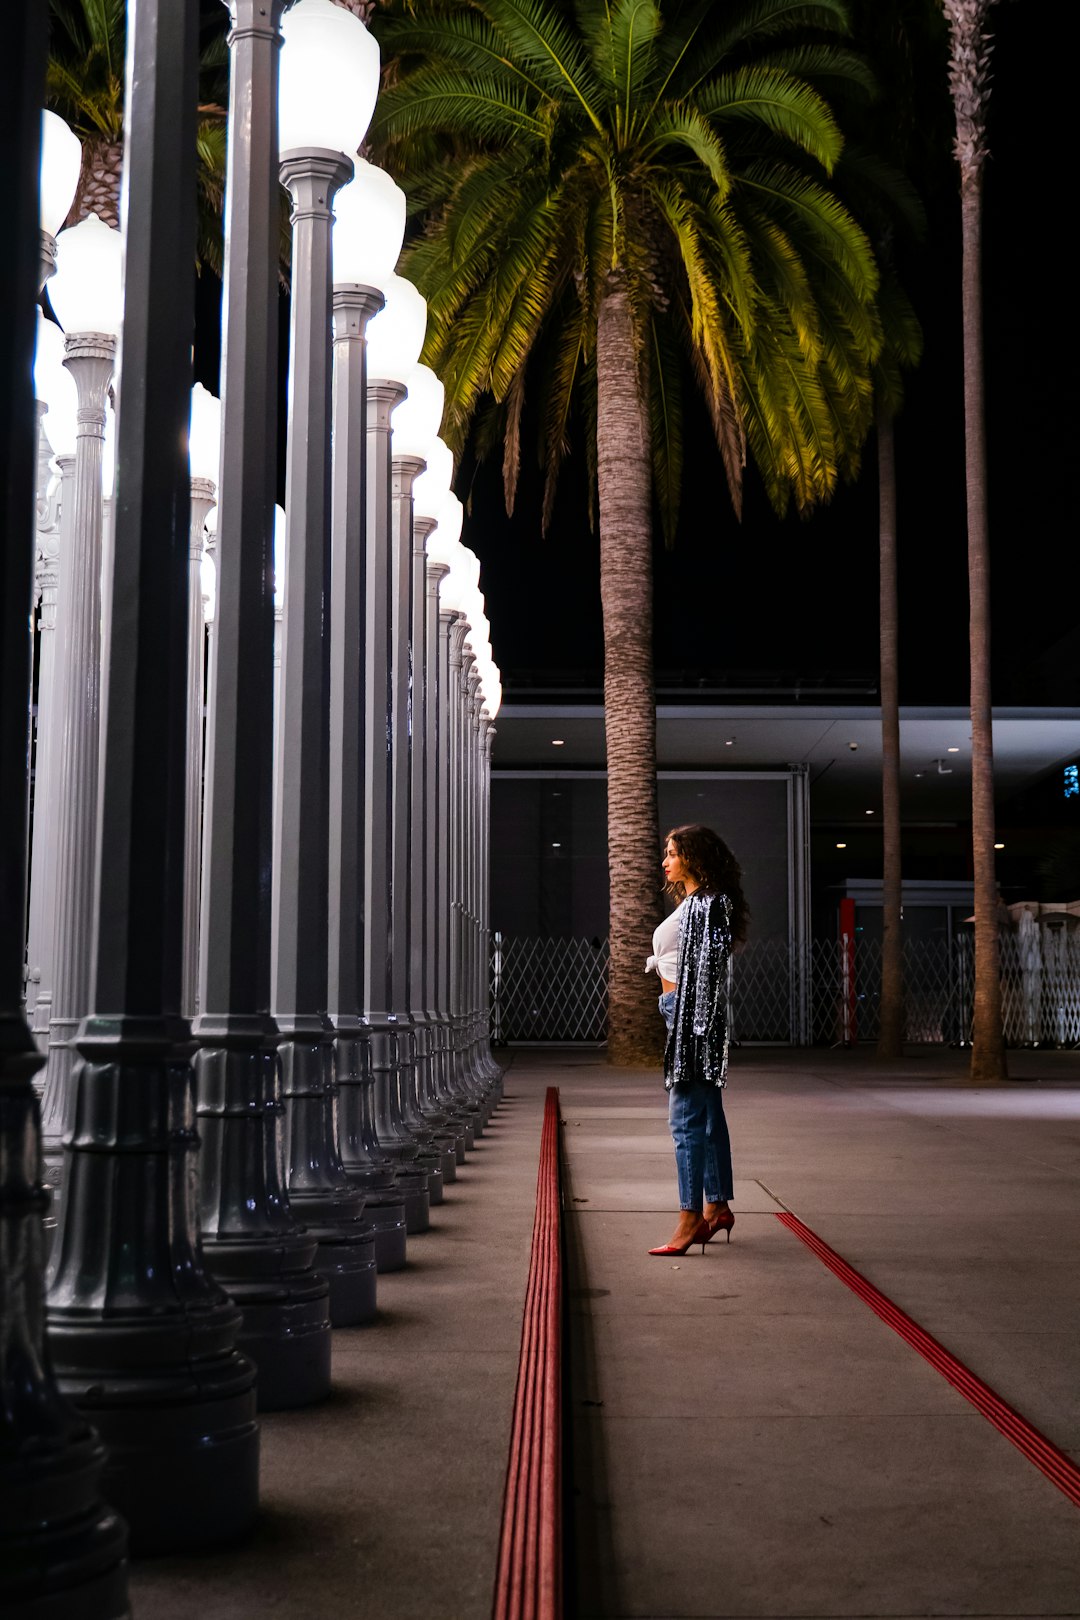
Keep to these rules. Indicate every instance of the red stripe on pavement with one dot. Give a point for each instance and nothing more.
(1052, 1462)
(528, 1580)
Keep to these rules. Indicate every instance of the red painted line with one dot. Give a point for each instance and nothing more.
(528, 1579)
(1052, 1462)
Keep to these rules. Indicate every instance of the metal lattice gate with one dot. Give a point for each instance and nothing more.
(556, 990)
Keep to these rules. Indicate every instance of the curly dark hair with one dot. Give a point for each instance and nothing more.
(714, 866)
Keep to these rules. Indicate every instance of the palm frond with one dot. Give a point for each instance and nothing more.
(539, 37)
(438, 99)
(683, 126)
(818, 213)
(778, 101)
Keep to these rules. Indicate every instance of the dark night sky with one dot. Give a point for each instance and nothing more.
(800, 597)
(769, 600)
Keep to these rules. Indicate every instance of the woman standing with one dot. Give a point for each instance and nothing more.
(692, 949)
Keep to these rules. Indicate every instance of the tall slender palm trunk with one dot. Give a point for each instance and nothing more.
(988, 1041)
(969, 82)
(891, 1027)
(623, 479)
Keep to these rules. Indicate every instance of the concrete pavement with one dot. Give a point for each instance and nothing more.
(748, 1438)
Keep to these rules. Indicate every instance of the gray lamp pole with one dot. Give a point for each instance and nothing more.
(132, 1310)
(366, 1165)
(319, 1190)
(455, 840)
(449, 1126)
(253, 1244)
(379, 900)
(90, 359)
(60, 1547)
(493, 1068)
(52, 532)
(433, 1155)
(203, 497)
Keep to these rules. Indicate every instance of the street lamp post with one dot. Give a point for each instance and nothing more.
(329, 77)
(204, 454)
(86, 294)
(54, 387)
(141, 1336)
(394, 341)
(369, 226)
(60, 1548)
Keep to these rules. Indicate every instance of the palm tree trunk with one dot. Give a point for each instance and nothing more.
(623, 480)
(99, 182)
(891, 1028)
(988, 1042)
(969, 82)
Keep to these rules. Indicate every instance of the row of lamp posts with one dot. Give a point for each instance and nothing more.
(256, 956)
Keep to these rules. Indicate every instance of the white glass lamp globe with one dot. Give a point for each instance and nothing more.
(369, 227)
(61, 164)
(279, 557)
(444, 544)
(87, 291)
(454, 586)
(433, 486)
(328, 78)
(471, 565)
(55, 387)
(416, 421)
(450, 517)
(396, 335)
(204, 434)
(208, 587)
(494, 701)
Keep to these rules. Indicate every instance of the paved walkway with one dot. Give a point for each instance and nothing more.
(384, 1502)
(748, 1438)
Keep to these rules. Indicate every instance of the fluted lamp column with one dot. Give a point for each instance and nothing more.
(142, 1336)
(204, 457)
(87, 296)
(395, 337)
(443, 546)
(55, 389)
(369, 224)
(329, 77)
(61, 1550)
(254, 1245)
(414, 437)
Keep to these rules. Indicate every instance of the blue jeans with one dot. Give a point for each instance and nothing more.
(700, 1134)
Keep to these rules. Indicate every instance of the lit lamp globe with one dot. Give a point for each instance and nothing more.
(61, 165)
(369, 227)
(396, 335)
(454, 585)
(204, 435)
(443, 543)
(433, 485)
(328, 79)
(55, 387)
(471, 564)
(87, 292)
(416, 421)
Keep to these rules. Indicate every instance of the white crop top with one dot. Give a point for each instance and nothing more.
(665, 944)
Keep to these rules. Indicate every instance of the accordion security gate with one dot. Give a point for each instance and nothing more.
(555, 990)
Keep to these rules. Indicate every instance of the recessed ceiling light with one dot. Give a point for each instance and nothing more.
(869, 812)
(841, 846)
(999, 846)
(729, 742)
(556, 846)
(557, 742)
(952, 750)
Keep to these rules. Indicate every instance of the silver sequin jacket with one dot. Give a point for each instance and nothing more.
(697, 1045)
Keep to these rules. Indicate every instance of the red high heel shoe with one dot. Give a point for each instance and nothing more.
(701, 1234)
(721, 1223)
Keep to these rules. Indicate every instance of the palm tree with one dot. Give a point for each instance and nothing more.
(85, 85)
(969, 81)
(612, 190)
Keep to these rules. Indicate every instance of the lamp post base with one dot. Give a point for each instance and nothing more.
(142, 1339)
